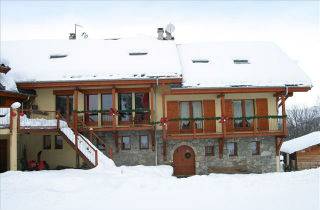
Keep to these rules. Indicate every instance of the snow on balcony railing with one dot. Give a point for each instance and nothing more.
(4, 117)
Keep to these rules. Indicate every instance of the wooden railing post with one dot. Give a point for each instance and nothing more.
(284, 117)
(91, 135)
(194, 128)
(114, 108)
(96, 157)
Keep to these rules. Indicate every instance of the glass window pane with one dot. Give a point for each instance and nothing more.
(254, 147)
(142, 100)
(106, 100)
(92, 102)
(125, 104)
(184, 113)
(209, 151)
(237, 112)
(197, 113)
(231, 148)
(144, 142)
(126, 142)
(58, 144)
(47, 142)
(61, 105)
(249, 112)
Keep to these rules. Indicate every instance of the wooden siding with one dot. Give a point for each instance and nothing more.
(308, 158)
(209, 110)
(172, 113)
(262, 110)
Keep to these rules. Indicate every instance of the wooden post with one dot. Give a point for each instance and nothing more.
(164, 140)
(114, 108)
(194, 128)
(96, 157)
(284, 117)
(110, 152)
(221, 146)
(58, 121)
(151, 104)
(91, 135)
(223, 112)
(75, 117)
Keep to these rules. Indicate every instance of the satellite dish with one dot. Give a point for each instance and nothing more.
(170, 28)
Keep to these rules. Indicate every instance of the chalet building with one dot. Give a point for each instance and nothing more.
(202, 108)
(302, 152)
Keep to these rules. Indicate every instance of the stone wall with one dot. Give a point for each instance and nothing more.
(265, 162)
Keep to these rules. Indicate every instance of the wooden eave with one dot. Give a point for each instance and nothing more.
(98, 83)
(11, 94)
(4, 69)
(181, 91)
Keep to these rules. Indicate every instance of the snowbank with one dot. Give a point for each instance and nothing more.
(8, 83)
(99, 190)
(159, 171)
(301, 143)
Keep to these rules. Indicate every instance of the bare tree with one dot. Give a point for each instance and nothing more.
(303, 120)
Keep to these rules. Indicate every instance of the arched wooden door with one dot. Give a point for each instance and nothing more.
(184, 161)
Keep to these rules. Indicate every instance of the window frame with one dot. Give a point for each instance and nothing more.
(144, 148)
(69, 110)
(44, 146)
(120, 118)
(211, 153)
(243, 114)
(55, 142)
(191, 127)
(257, 152)
(141, 117)
(235, 149)
(122, 144)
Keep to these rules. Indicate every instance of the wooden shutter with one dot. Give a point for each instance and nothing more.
(209, 110)
(262, 110)
(173, 112)
(229, 114)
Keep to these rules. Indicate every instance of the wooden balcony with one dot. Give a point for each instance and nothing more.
(114, 121)
(217, 127)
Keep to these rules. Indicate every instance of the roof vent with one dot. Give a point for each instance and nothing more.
(241, 61)
(58, 56)
(200, 61)
(138, 53)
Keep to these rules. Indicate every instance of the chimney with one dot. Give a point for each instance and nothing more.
(72, 36)
(160, 33)
(169, 36)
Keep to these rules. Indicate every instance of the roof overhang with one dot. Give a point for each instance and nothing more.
(12, 94)
(286, 89)
(97, 83)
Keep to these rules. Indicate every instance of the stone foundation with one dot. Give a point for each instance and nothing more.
(248, 163)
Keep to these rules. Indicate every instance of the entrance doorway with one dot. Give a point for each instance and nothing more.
(184, 161)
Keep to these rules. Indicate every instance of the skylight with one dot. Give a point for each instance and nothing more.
(138, 53)
(241, 61)
(200, 61)
(58, 56)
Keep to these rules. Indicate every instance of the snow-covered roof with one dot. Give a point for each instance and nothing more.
(220, 64)
(232, 64)
(301, 143)
(58, 60)
(8, 83)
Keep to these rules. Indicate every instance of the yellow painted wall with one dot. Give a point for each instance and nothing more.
(54, 157)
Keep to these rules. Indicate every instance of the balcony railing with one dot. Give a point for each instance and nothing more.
(224, 126)
(111, 118)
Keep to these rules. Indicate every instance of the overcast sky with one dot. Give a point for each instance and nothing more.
(293, 25)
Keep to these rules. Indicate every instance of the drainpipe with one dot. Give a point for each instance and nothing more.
(155, 117)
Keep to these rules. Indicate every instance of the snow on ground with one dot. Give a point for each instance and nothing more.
(301, 143)
(140, 187)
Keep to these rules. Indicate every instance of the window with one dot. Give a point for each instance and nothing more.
(58, 56)
(144, 142)
(240, 61)
(125, 107)
(241, 110)
(47, 142)
(255, 147)
(232, 148)
(64, 105)
(91, 109)
(142, 107)
(58, 143)
(200, 61)
(190, 109)
(126, 145)
(209, 150)
(106, 105)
